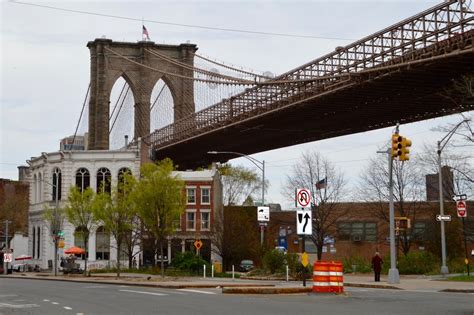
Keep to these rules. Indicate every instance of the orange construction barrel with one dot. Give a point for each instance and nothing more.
(327, 277)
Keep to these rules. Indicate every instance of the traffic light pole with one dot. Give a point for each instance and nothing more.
(393, 275)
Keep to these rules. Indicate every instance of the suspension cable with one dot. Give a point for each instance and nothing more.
(118, 113)
(231, 68)
(80, 116)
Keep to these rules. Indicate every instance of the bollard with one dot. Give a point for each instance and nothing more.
(212, 271)
(204, 271)
(232, 272)
(287, 274)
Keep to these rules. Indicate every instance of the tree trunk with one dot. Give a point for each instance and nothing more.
(86, 245)
(319, 247)
(119, 245)
(162, 263)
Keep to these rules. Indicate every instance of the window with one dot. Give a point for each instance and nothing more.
(419, 231)
(56, 184)
(82, 179)
(191, 220)
(191, 195)
(205, 220)
(102, 244)
(205, 196)
(103, 180)
(122, 175)
(34, 190)
(34, 242)
(363, 231)
(38, 240)
(79, 240)
(40, 188)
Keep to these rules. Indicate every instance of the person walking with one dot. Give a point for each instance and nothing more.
(377, 263)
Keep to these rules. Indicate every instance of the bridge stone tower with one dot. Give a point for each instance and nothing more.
(112, 60)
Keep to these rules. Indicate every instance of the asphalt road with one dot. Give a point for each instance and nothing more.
(18, 296)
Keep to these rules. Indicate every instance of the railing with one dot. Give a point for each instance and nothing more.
(409, 40)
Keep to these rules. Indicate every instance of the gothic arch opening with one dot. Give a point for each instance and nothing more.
(162, 106)
(121, 113)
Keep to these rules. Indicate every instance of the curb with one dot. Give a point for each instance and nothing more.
(266, 290)
(145, 284)
(372, 286)
(457, 290)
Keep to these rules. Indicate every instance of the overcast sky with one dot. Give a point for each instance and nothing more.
(45, 64)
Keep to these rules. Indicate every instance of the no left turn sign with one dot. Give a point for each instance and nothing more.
(302, 198)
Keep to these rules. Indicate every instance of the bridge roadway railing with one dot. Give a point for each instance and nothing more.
(419, 37)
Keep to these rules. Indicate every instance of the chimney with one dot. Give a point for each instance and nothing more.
(23, 173)
(126, 141)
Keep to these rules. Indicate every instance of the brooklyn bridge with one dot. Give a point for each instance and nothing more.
(180, 104)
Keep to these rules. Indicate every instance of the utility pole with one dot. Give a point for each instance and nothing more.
(444, 267)
(7, 247)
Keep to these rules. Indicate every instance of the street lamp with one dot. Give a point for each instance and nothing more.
(260, 165)
(441, 146)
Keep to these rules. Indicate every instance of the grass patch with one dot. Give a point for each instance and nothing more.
(463, 278)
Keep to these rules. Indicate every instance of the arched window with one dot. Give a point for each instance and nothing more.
(103, 180)
(79, 240)
(40, 188)
(82, 179)
(56, 184)
(121, 177)
(102, 244)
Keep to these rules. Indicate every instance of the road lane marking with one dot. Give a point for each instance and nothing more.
(144, 292)
(55, 303)
(45, 299)
(18, 305)
(67, 307)
(196, 291)
(96, 287)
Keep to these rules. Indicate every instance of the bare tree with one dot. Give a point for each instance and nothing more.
(311, 169)
(408, 192)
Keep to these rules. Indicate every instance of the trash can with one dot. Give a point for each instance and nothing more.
(217, 267)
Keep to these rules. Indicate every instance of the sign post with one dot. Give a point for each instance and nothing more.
(263, 216)
(462, 213)
(304, 223)
(198, 245)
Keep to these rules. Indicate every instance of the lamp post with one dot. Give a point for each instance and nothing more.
(441, 146)
(56, 223)
(261, 166)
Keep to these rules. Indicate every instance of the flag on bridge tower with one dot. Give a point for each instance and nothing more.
(322, 183)
(145, 34)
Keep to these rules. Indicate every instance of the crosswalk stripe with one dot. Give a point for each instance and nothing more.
(144, 292)
(196, 291)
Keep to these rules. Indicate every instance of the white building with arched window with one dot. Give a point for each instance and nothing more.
(51, 176)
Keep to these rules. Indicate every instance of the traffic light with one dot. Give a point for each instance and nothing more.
(396, 145)
(400, 147)
(405, 150)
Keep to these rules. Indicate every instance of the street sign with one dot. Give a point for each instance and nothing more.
(8, 257)
(460, 197)
(462, 209)
(444, 217)
(302, 198)
(198, 244)
(304, 224)
(304, 259)
(263, 214)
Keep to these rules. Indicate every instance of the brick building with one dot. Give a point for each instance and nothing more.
(362, 230)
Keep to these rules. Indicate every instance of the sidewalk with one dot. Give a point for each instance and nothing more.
(412, 283)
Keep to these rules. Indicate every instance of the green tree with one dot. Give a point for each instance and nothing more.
(55, 218)
(159, 199)
(117, 212)
(80, 213)
(239, 183)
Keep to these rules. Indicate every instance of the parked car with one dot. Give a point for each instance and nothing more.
(246, 265)
(281, 249)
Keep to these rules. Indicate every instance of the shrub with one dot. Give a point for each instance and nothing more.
(356, 264)
(274, 260)
(417, 263)
(189, 261)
